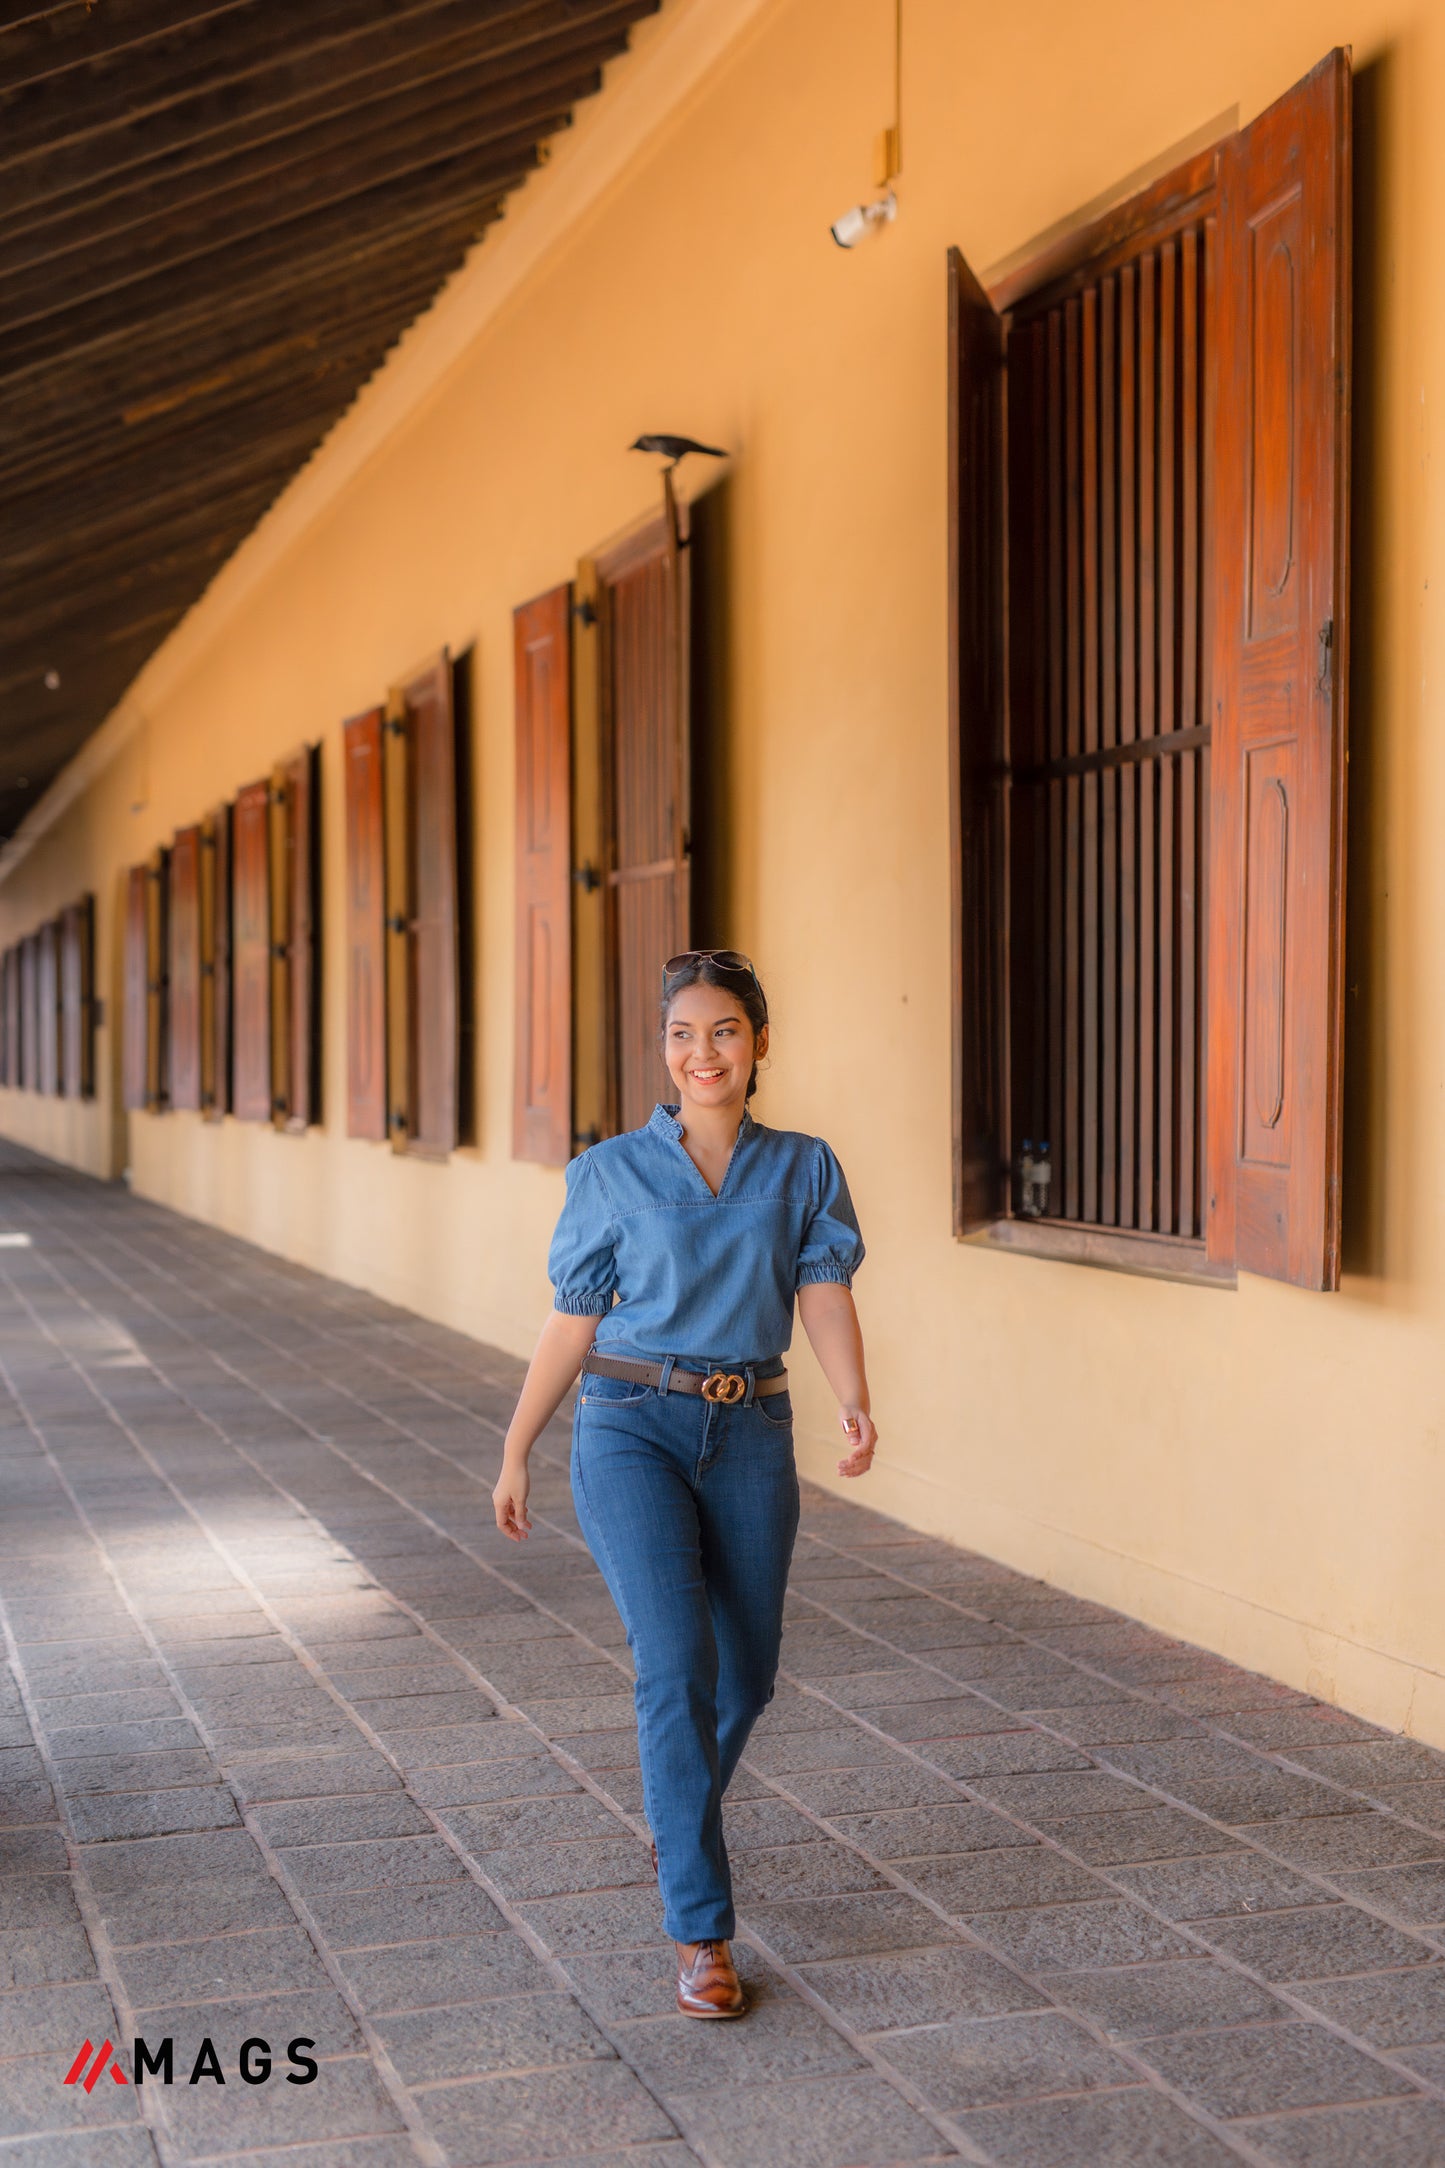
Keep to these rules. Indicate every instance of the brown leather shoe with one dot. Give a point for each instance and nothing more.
(707, 1985)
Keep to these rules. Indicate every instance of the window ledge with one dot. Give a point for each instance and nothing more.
(1156, 1257)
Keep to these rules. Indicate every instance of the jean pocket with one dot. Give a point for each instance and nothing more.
(777, 1410)
(612, 1392)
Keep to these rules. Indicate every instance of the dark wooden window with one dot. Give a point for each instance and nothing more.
(133, 991)
(77, 999)
(251, 954)
(365, 927)
(10, 996)
(47, 1010)
(542, 1076)
(185, 969)
(30, 1014)
(215, 921)
(295, 1049)
(423, 989)
(634, 661)
(1149, 456)
(158, 889)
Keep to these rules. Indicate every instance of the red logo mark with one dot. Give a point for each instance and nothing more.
(102, 2062)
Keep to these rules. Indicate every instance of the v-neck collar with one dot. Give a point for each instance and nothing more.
(664, 1119)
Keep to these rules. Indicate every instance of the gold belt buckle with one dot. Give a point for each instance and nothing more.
(724, 1387)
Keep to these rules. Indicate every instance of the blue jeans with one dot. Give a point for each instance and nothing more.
(690, 1510)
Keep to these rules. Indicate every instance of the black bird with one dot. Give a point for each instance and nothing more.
(675, 448)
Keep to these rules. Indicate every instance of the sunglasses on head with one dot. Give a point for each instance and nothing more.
(730, 959)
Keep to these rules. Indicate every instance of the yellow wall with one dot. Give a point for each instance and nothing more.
(1262, 1470)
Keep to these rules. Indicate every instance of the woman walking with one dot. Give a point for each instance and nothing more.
(676, 1262)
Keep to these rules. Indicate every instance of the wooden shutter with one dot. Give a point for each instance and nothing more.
(423, 995)
(185, 969)
(158, 981)
(251, 954)
(542, 1086)
(133, 1018)
(215, 899)
(365, 927)
(1280, 667)
(9, 1022)
(77, 999)
(293, 942)
(29, 1014)
(643, 604)
(47, 1010)
(977, 729)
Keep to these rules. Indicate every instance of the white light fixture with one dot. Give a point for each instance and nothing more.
(864, 218)
(52, 681)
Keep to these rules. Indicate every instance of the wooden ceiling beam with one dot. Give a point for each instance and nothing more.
(187, 438)
(361, 201)
(36, 43)
(266, 43)
(249, 273)
(176, 142)
(219, 216)
(130, 356)
(90, 415)
(90, 561)
(173, 222)
(87, 519)
(63, 613)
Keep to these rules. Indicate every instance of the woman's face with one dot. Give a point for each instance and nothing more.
(709, 1047)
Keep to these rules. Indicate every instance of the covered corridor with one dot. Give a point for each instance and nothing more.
(296, 1750)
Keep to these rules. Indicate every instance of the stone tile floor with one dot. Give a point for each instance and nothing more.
(292, 1747)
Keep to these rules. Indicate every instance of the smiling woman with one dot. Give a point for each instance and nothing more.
(680, 1254)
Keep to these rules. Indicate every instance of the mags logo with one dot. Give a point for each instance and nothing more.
(78, 2075)
(253, 2064)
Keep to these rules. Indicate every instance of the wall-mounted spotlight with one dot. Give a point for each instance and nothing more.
(864, 218)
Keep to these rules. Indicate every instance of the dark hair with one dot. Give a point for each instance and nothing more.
(707, 971)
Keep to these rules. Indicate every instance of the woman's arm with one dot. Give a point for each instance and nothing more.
(552, 1370)
(831, 1323)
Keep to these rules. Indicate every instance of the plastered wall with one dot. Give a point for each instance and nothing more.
(1262, 1470)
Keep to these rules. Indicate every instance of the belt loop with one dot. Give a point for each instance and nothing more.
(666, 1379)
(752, 1378)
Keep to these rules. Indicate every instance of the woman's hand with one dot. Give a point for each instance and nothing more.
(862, 1437)
(509, 1500)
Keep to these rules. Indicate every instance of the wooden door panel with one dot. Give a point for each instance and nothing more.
(294, 942)
(643, 601)
(158, 888)
(365, 927)
(542, 1081)
(251, 953)
(185, 969)
(30, 1013)
(425, 703)
(216, 964)
(133, 1018)
(976, 768)
(1280, 671)
(77, 999)
(47, 1010)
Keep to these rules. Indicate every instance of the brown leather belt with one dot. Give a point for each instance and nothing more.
(724, 1387)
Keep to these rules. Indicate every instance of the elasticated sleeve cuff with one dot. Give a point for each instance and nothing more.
(825, 1272)
(582, 1305)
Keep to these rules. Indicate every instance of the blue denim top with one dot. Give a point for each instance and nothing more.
(670, 1269)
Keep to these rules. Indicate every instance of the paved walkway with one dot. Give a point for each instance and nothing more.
(294, 1748)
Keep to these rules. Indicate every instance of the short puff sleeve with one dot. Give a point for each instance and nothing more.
(581, 1263)
(832, 1246)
